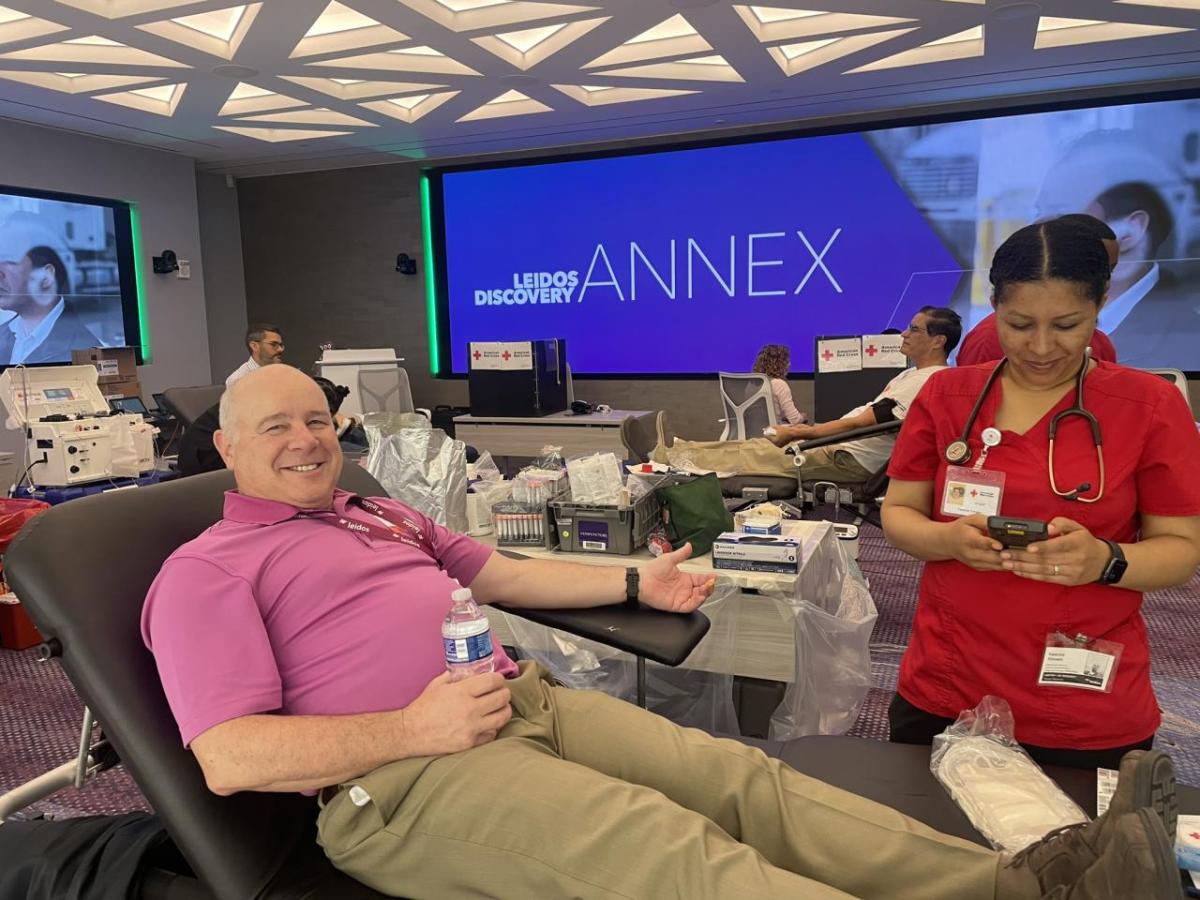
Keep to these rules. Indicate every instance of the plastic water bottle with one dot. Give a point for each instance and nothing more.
(466, 637)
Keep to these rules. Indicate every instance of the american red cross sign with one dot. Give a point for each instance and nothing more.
(827, 355)
(478, 356)
(871, 350)
(974, 493)
(506, 356)
(1195, 836)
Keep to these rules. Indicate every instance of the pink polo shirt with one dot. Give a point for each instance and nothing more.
(266, 612)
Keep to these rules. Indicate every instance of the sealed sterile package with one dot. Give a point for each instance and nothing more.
(1004, 793)
(596, 478)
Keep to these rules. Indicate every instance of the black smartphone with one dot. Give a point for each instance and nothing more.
(1017, 532)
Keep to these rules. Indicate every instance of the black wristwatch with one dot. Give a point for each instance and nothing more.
(632, 584)
(1117, 564)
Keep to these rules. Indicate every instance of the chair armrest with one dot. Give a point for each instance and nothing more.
(852, 435)
(666, 638)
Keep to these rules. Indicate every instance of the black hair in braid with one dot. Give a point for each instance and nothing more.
(1060, 249)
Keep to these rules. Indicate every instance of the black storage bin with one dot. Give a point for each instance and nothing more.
(517, 378)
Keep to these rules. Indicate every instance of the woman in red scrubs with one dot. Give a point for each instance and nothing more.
(1122, 501)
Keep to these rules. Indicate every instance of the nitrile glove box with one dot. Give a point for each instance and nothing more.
(757, 552)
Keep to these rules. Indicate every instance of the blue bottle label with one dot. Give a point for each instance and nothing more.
(468, 649)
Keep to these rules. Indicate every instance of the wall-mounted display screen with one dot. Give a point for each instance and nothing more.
(67, 279)
(688, 261)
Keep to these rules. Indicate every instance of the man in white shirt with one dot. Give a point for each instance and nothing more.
(265, 343)
(933, 332)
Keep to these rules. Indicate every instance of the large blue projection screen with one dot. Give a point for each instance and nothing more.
(688, 261)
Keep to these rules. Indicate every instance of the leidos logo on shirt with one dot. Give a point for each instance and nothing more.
(357, 526)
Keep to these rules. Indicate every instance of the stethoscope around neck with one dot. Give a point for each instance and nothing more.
(959, 452)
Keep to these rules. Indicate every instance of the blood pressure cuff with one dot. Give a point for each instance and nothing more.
(885, 410)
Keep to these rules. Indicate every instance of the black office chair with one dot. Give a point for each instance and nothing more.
(187, 404)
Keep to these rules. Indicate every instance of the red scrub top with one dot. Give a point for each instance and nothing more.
(982, 345)
(978, 633)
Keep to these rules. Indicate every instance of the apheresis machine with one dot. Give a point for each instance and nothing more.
(72, 435)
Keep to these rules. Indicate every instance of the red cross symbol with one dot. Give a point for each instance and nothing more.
(1194, 836)
(871, 351)
(974, 493)
(827, 356)
(506, 356)
(478, 356)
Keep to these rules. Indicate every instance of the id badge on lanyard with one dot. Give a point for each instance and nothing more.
(974, 491)
(1079, 662)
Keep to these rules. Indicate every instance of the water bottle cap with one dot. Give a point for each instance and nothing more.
(460, 595)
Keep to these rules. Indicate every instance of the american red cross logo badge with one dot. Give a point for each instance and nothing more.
(827, 355)
(478, 356)
(871, 350)
(974, 493)
(506, 356)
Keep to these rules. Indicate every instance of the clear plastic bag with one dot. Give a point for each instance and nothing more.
(1004, 793)
(687, 696)
(550, 457)
(596, 478)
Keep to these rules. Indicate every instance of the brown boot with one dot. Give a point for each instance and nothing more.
(1147, 780)
(1138, 862)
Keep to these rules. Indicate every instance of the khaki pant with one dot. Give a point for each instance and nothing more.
(585, 796)
(757, 456)
(832, 464)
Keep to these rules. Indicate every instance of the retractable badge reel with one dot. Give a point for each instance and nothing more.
(1079, 662)
(974, 490)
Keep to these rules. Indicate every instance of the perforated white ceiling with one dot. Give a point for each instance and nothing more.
(247, 87)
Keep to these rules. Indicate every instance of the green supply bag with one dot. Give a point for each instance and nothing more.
(695, 512)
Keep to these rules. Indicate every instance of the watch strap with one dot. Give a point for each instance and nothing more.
(632, 586)
(1116, 565)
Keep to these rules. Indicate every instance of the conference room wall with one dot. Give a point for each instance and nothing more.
(162, 185)
(319, 252)
(224, 278)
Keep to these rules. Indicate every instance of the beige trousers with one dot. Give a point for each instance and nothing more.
(585, 796)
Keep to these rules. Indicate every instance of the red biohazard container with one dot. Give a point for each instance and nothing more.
(16, 631)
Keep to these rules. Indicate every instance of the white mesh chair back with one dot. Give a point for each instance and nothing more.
(1177, 378)
(748, 405)
(385, 390)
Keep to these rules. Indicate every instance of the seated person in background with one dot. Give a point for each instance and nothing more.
(265, 343)
(927, 341)
(982, 343)
(198, 453)
(774, 361)
(298, 641)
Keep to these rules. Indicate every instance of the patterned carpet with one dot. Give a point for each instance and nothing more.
(40, 715)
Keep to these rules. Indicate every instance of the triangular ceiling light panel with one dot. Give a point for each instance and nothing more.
(219, 32)
(770, 23)
(410, 59)
(472, 15)
(530, 46)
(276, 135)
(249, 98)
(700, 68)
(1058, 32)
(162, 99)
(19, 26)
(674, 37)
(314, 116)
(796, 58)
(116, 9)
(961, 45)
(76, 82)
(510, 103)
(341, 28)
(93, 49)
(409, 109)
(602, 95)
(358, 88)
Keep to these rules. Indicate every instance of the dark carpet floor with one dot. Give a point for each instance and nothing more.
(40, 715)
